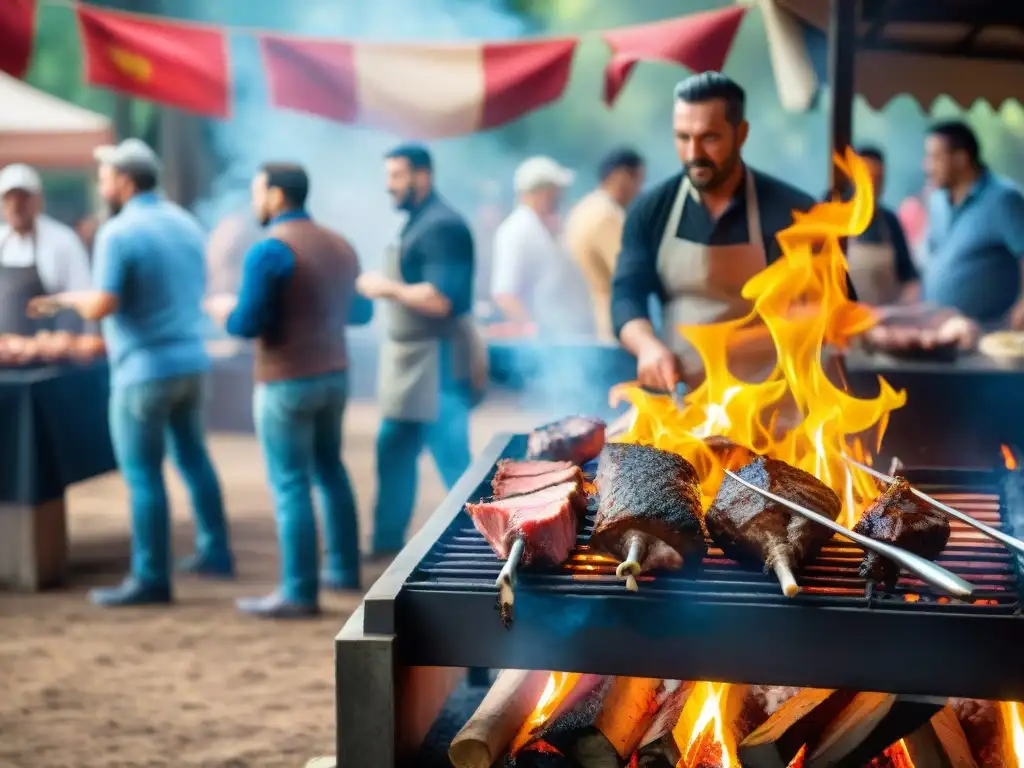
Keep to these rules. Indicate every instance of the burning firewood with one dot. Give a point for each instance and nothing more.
(748, 525)
(799, 721)
(940, 743)
(658, 747)
(577, 710)
(697, 725)
(869, 724)
(649, 510)
(492, 727)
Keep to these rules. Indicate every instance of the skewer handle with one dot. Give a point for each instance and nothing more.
(507, 577)
(929, 572)
(1003, 538)
(786, 578)
(630, 567)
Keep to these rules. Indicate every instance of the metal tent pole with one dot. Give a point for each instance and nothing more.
(842, 43)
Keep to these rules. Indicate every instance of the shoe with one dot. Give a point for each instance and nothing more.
(131, 592)
(201, 564)
(340, 581)
(274, 606)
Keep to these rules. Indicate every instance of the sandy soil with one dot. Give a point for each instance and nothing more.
(195, 684)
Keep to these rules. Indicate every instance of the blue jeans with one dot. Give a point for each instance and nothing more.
(145, 420)
(399, 444)
(299, 425)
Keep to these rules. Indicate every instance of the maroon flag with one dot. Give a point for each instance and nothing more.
(17, 32)
(699, 42)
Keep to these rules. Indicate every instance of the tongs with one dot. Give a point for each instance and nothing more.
(930, 573)
(1005, 539)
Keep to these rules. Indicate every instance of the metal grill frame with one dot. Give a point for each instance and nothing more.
(418, 641)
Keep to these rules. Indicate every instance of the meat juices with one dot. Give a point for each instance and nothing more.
(649, 513)
(748, 526)
(900, 518)
(578, 439)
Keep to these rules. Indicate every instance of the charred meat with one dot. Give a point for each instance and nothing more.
(545, 520)
(749, 526)
(578, 439)
(729, 454)
(649, 513)
(900, 518)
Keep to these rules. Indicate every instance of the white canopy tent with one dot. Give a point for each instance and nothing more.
(43, 131)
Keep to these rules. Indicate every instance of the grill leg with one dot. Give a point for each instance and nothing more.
(383, 711)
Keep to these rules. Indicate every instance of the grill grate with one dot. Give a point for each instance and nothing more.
(723, 621)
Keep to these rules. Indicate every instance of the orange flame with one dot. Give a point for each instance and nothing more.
(1009, 460)
(706, 735)
(558, 686)
(800, 301)
(1013, 720)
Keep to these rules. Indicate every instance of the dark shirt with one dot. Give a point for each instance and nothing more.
(266, 270)
(437, 248)
(636, 272)
(892, 232)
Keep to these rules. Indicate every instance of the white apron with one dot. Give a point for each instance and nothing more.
(703, 285)
(409, 370)
(872, 268)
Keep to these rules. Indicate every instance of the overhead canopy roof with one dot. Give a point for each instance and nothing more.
(41, 130)
(965, 49)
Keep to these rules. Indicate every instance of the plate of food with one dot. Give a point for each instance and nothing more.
(1005, 347)
(936, 338)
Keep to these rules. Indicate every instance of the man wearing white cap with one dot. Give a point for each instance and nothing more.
(148, 286)
(38, 254)
(534, 282)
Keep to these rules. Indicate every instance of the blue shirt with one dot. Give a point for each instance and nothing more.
(266, 270)
(974, 249)
(437, 248)
(151, 256)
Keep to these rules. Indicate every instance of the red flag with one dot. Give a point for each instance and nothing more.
(699, 42)
(17, 32)
(182, 65)
(425, 91)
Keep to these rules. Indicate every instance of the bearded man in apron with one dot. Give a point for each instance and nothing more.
(433, 365)
(881, 267)
(695, 239)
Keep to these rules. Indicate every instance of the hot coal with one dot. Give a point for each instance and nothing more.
(900, 518)
(545, 520)
(652, 497)
(578, 439)
(517, 485)
(750, 527)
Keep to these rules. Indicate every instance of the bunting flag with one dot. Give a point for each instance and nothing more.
(699, 42)
(17, 32)
(420, 91)
(182, 65)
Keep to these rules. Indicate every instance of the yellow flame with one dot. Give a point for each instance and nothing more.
(801, 302)
(558, 686)
(1013, 717)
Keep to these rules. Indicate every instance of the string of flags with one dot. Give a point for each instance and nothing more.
(420, 90)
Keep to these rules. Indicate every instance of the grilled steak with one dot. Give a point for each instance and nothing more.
(900, 518)
(578, 439)
(747, 526)
(517, 485)
(729, 454)
(512, 468)
(650, 497)
(545, 520)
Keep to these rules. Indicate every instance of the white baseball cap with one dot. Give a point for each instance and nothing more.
(539, 172)
(129, 155)
(20, 176)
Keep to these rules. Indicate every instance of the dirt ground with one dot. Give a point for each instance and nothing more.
(195, 684)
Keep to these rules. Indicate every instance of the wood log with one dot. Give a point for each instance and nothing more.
(940, 743)
(658, 747)
(869, 724)
(982, 724)
(508, 703)
(575, 713)
(627, 710)
(799, 721)
(702, 749)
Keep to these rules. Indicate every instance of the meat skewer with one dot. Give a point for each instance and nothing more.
(1005, 539)
(578, 439)
(538, 527)
(926, 570)
(649, 513)
(898, 517)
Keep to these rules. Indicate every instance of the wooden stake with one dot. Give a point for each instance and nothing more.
(506, 582)
(786, 578)
(869, 724)
(800, 720)
(940, 743)
(498, 718)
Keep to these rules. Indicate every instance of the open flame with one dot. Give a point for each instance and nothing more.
(1013, 719)
(799, 302)
(705, 743)
(558, 686)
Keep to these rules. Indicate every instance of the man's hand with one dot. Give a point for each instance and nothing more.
(373, 285)
(219, 306)
(1017, 316)
(657, 367)
(43, 306)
